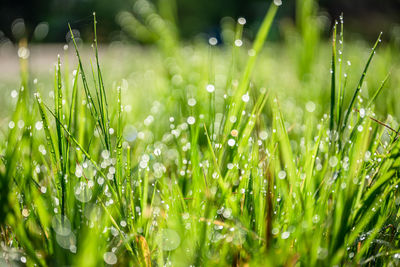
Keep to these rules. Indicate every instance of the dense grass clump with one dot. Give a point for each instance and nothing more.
(196, 155)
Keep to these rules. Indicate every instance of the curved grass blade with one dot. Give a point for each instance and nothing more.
(357, 91)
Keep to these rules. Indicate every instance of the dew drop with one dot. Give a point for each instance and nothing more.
(100, 180)
(66, 241)
(231, 142)
(362, 113)
(191, 102)
(14, 93)
(285, 235)
(21, 124)
(241, 21)
(234, 133)
(246, 98)
(191, 120)
(39, 125)
(130, 133)
(23, 52)
(238, 43)
(310, 106)
(25, 212)
(213, 41)
(11, 125)
(82, 192)
(61, 225)
(170, 239)
(333, 161)
(251, 52)
(210, 88)
(263, 135)
(110, 258)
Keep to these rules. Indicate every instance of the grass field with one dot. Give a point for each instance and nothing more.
(249, 153)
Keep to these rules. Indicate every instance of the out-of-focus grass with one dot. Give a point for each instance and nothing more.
(190, 155)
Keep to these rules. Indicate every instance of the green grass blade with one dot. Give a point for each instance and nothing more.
(360, 83)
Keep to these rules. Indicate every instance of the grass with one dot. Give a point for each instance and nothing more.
(204, 155)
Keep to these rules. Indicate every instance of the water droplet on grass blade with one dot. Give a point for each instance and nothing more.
(191, 102)
(143, 164)
(322, 253)
(61, 225)
(285, 235)
(105, 154)
(238, 43)
(310, 106)
(251, 52)
(21, 124)
(92, 212)
(82, 192)
(315, 218)
(157, 152)
(11, 125)
(14, 93)
(210, 88)
(191, 120)
(72, 248)
(25, 212)
(110, 258)
(362, 113)
(39, 125)
(263, 135)
(278, 2)
(170, 239)
(246, 98)
(23, 52)
(231, 142)
(149, 120)
(227, 213)
(130, 133)
(333, 161)
(213, 41)
(66, 241)
(241, 21)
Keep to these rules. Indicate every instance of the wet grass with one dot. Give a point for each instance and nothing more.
(205, 155)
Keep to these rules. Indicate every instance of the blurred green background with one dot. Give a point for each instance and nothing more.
(363, 17)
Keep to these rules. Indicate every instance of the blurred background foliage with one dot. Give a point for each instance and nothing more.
(363, 17)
